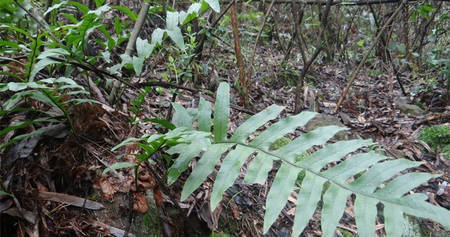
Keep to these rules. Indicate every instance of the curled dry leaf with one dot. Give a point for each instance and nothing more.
(140, 203)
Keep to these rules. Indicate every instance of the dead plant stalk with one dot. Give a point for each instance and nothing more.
(366, 55)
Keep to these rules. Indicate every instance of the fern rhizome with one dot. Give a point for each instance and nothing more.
(371, 177)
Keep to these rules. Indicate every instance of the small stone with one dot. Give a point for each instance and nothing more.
(410, 109)
(322, 120)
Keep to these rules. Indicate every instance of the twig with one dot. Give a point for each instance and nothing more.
(166, 85)
(252, 58)
(308, 63)
(242, 80)
(197, 51)
(130, 46)
(388, 54)
(366, 55)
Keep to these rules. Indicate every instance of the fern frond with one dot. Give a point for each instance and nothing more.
(374, 183)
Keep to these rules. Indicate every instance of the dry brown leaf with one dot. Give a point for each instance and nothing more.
(70, 200)
(140, 203)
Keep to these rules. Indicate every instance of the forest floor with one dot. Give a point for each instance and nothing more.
(59, 188)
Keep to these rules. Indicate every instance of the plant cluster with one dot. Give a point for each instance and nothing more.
(48, 73)
(438, 138)
(367, 177)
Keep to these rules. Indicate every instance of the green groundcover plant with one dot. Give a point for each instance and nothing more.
(368, 177)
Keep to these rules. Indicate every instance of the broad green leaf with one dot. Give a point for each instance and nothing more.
(330, 153)
(181, 118)
(157, 36)
(259, 168)
(138, 63)
(177, 37)
(229, 171)
(380, 172)
(214, 4)
(127, 11)
(350, 167)
(394, 222)
(203, 168)
(374, 171)
(221, 112)
(126, 59)
(280, 128)
(260, 165)
(110, 41)
(334, 202)
(117, 26)
(70, 17)
(171, 21)
(99, 11)
(15, 86)
(242, 132)
(17, 29)
(182, 16)
(308, 197)
(144, 49)
(402, 184)
(365, 215)
(54, 7)
(187, 153)
(299, 145)
(282, 187)
(189, 17)
(163, 123)
(84, 9)
(118, 165)
(9, 44)
(41, 65)
(204, 115)
(416, 205)
(98, 3)
(53, 52)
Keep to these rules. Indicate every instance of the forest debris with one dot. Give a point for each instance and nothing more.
(70, 200)
(87, 122)
(443, 187)
(434, 117)
(26, 146)
(140, 203)
(410, 109)
(21, 213)
(5, 204)
(113, 230)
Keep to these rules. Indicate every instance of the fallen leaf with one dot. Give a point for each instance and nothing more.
(140, 203)
(70, 200)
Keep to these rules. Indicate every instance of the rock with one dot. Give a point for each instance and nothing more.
(322, 120)
(410, 109)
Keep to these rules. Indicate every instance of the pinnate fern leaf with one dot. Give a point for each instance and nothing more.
(367, 176)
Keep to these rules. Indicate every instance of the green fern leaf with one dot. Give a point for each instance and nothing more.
(374, 183)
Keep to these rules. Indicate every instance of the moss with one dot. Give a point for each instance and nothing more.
(345, 233)
(280, 142)
(438, 138)
(215, 234)
(446, 151)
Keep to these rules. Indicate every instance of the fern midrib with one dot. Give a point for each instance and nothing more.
(344, 186)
